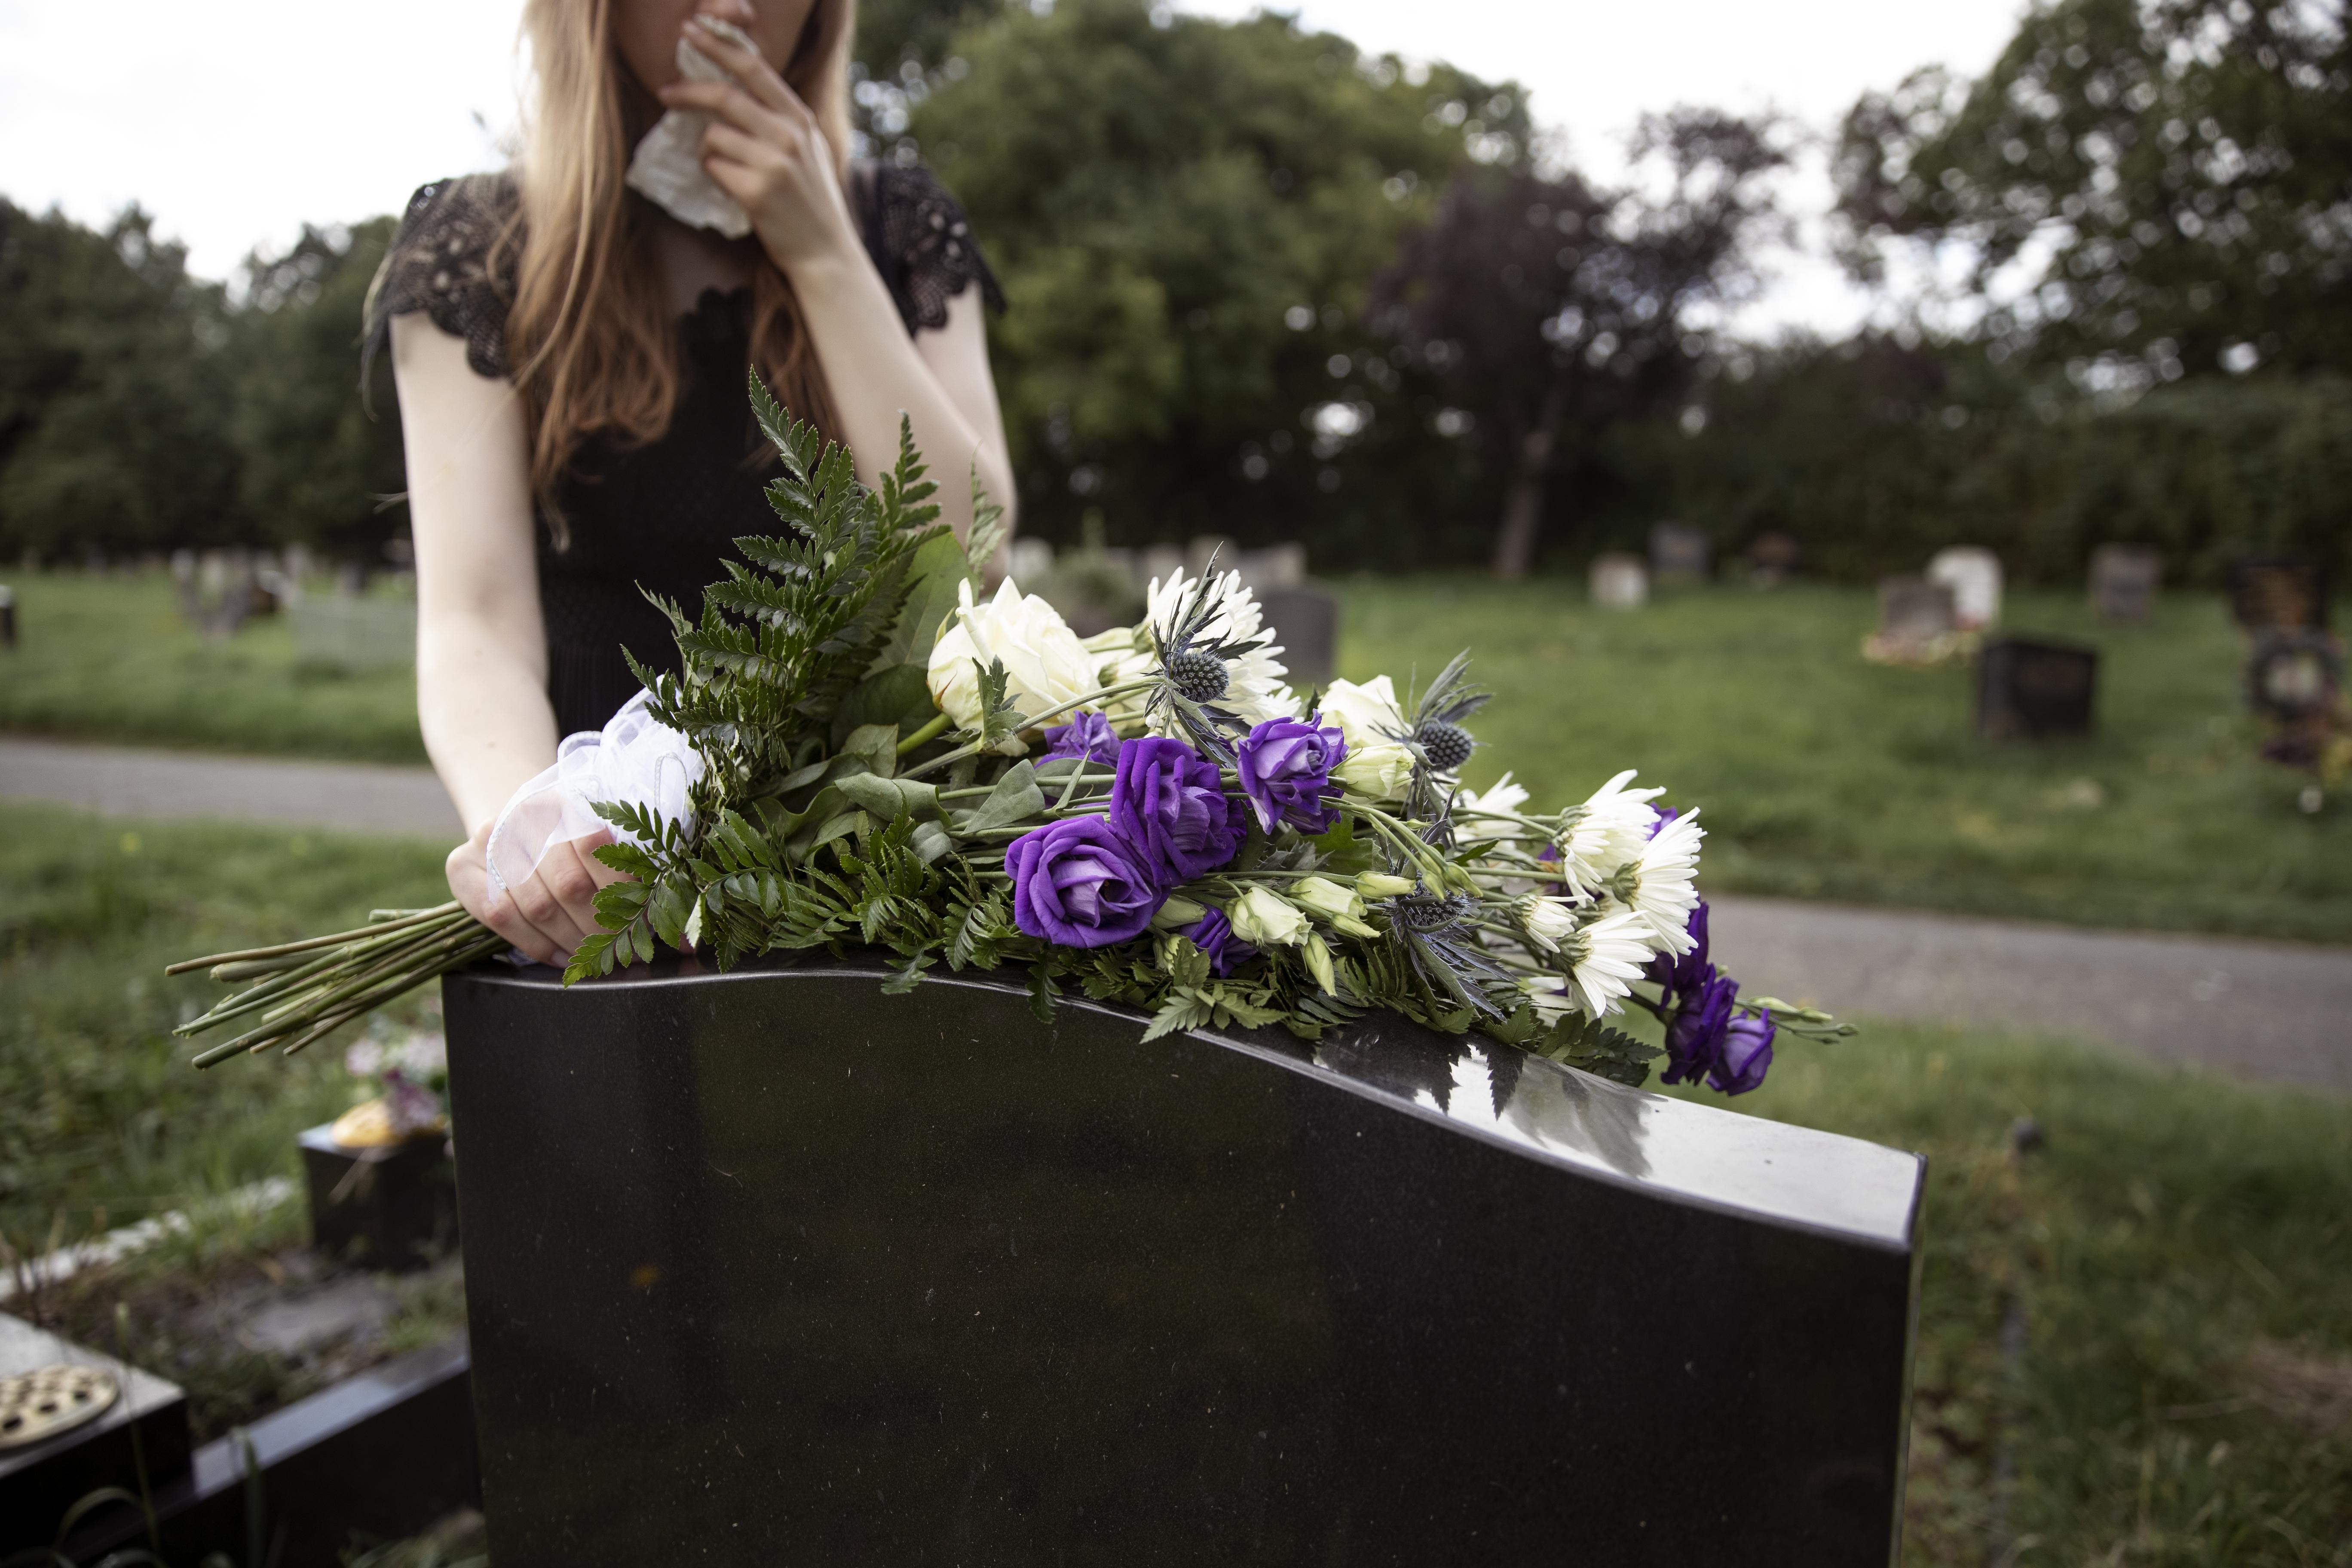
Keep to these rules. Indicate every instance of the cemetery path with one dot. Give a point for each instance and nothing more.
(120, 781)
(2276, 1011)
(2279, 1012)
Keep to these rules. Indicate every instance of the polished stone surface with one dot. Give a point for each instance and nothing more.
(772, 1267)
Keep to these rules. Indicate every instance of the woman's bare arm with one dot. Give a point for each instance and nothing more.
(481, 644)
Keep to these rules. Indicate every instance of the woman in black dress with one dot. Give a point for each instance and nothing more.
(570, 362)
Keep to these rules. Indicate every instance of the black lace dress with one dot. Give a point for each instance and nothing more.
(665, 513)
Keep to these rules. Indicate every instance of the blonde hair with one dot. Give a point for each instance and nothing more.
(590, 335)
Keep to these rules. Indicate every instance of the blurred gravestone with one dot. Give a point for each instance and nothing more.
(217, 591)
(1773, 558)
(1916, 622)
(2030, 690)
(1306, 622)
(7, 616)
(1030, 560)
(1620, 582)
(1974, 577)
(1160, 562)
(1678, 553)
(2282, 592)
(2124, 579)
(351, 632)
(109, 1422)
(1207, 547)
(1275, 566)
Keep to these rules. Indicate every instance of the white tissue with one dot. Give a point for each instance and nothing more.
(667, 165)
(635, 759)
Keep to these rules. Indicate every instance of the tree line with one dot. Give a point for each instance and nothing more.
(1265, 285)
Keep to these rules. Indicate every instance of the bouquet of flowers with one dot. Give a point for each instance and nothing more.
(860, 750)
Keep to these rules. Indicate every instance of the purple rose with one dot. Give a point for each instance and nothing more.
(1685, 972)
(1080, 883)
(1694, 1034)
(1087, 734)
(1215, 939)
(1746, 1054)
(1286, 770)
(1171, 803)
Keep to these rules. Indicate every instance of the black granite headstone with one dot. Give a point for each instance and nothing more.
(770, 1268)
(395, 1206)
(145, 1424)
(2030, 690)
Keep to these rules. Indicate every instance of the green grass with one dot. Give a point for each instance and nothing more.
(110, 659)
(2178, 1236)
(1824, 776)
(101, 1121)
(2175, 1242)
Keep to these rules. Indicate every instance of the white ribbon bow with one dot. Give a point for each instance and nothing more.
(635, 759)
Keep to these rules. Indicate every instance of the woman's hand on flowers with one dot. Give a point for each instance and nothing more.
(548, 915)
(765, 149)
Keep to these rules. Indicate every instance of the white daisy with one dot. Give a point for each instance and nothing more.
(1605, 833)
(1662, 894)
(1255, 690)
(1548, 921)
(1605, 957)
(1503, 796)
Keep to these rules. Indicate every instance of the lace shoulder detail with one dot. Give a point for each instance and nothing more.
(922, 243)
(442, 262)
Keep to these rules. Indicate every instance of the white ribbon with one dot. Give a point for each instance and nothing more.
(667, 164)
(635, 759)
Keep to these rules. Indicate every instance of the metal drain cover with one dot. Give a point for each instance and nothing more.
(38, 1405)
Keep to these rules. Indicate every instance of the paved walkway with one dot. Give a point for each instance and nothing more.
(2275, 1010)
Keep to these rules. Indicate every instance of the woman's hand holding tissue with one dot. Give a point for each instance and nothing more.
(766, 149)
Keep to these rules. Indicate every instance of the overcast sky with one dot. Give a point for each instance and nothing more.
(235, 120)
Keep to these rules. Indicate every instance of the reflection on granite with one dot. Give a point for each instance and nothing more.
(772, 1268)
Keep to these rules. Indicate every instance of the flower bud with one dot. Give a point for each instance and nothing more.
(1177, 913)
(1319, 964)
(1380, 885)
(1263, 919)
(1339, 905)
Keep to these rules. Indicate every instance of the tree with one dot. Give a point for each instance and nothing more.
(2138, 189)
(320, 455)
(114, 392)
(1185, 214)
(1550, 310)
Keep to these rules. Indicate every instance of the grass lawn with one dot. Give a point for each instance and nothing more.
(110, 659)
(2173, 1268)
(1824, 776)
(101, 1121)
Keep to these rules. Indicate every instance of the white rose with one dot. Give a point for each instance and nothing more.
(1046, 665)
(1263, 919)
(1377, 766)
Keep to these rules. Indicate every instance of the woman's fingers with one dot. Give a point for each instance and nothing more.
(758, 76)
(469, 881)
(728, 104)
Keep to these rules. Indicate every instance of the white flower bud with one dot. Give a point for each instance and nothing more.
(1264, 918)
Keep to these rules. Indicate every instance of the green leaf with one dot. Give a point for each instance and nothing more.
(875, 745)
(1015, 798)
(899, 695)
(937, 570)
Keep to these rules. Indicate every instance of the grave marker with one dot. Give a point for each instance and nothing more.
(1620, 582)
(1974, 577)
(774, 1265)
(1306, 622)
(2032, 691)
(2285, 592)
(2124, 580)
(1679, 553)
(1773, 558)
